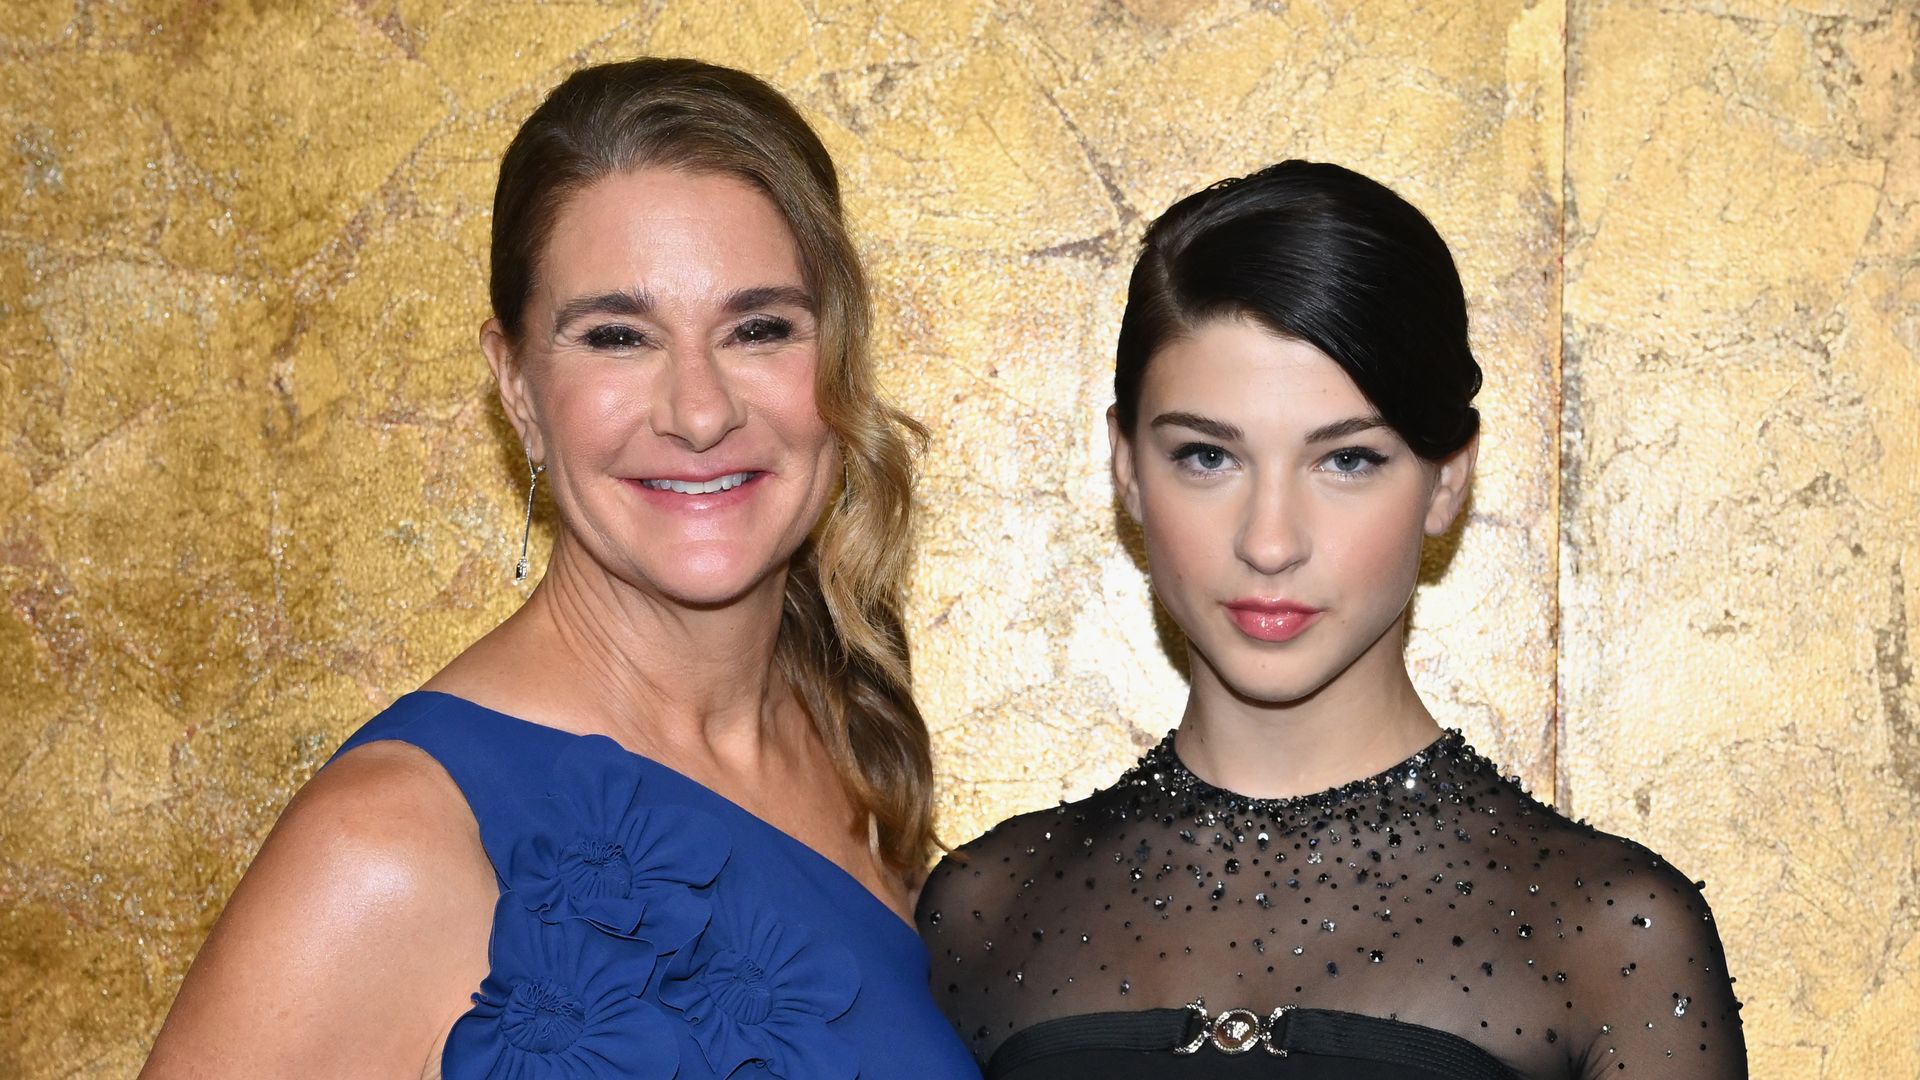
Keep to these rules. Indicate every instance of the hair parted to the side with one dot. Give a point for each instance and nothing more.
(1324, 255)
(843, 644)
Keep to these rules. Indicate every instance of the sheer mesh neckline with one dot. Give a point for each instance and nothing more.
(1162, 770)
(1436, 892)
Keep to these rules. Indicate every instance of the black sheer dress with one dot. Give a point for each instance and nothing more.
(1433, 922)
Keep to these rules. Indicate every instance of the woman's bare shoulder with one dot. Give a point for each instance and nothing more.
(353, 940)
(382, 820)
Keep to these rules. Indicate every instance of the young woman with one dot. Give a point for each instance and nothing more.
(1310, 877)
(664, 820)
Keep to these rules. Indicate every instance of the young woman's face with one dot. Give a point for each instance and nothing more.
(1283, 519)
(666, 380)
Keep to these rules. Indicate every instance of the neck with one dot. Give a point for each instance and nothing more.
(1366, 720)
(657, 676)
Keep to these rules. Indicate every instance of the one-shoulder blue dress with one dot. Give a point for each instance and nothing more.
(648, 928)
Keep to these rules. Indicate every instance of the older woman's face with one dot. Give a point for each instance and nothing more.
(666, 379)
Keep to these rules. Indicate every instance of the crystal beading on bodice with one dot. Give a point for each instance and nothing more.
(1437, 893)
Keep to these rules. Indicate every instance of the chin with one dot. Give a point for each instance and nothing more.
(1269, 680)
(711, 575)
(1275, 690)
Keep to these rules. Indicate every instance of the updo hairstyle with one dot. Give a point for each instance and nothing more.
(1323, 255)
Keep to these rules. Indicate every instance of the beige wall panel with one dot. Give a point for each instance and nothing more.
(1742, 490)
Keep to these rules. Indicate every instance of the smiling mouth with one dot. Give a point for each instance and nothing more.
(701, 487)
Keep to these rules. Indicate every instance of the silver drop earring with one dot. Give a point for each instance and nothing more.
(526, 533)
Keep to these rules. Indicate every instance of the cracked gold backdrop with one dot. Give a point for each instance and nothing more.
(253, 483)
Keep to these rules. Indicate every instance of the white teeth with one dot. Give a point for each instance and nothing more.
(702, 487)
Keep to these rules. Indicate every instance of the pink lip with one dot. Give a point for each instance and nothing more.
(1271, 620)
(703, 477)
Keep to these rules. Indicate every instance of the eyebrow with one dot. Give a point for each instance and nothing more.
(630, 303)
(1340, 429)
(761, 296)
(636, 304)
(1218, 429)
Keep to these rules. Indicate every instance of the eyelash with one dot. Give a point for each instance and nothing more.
(758, 330)
(1184, 456)
(1372, 459)
(613, 336)
(775, 328)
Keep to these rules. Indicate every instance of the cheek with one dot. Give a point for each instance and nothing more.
(784, 394)
(783, 399)
(799, 423)
(594, 415)
(1376, 543)
(1183, 534)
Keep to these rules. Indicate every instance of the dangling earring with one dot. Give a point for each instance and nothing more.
(526, 533)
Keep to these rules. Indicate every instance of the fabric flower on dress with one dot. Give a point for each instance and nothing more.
(561, 1003)
(755, 989)
(592, 850)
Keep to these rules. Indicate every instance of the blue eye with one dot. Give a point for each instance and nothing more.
(1354, 461)
(614, 337)
(1202, 457)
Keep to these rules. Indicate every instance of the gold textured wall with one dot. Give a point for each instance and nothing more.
(253, 485)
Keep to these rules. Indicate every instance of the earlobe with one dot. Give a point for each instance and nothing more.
(1125, 483)
(511, 383)
(1454, 480)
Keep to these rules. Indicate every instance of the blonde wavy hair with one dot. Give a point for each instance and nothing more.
(843, 642)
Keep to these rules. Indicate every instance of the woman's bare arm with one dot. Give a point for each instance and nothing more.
(354, 940)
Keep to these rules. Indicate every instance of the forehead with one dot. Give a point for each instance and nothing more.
(668, 232)
(1238, 371)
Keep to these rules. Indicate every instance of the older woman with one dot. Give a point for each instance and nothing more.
(664, 819)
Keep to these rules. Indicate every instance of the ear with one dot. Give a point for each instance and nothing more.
(1451, 482)
(512, 384)
(1125, 483)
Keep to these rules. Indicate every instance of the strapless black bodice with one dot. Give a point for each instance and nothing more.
(1238, 1044)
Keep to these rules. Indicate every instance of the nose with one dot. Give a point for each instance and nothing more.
(696, 402)
(1274, 530)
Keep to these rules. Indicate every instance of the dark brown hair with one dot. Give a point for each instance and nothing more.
(1323, 255)
(843, 642)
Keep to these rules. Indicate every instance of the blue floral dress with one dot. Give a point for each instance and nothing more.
(648, 928)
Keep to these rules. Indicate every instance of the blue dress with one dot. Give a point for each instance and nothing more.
(648, 928)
